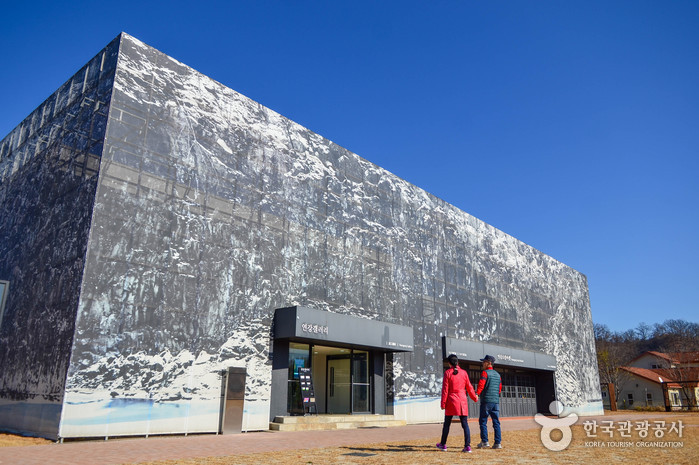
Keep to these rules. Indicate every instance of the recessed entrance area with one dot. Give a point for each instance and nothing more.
(524, 392)
(341, 377)
(348, 359)
(527, 377)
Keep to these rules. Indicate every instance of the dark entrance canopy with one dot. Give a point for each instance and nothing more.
(307, 324)
(474, 351)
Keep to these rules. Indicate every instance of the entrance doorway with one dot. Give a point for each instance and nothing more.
(522, 390)
(341, 378)
(518, 397)
(339, 384)
(349, 389)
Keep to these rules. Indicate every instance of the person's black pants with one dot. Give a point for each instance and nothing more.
(464, 425)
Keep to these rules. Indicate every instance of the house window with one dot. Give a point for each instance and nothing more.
(654, 366)
(604, 393)
(630, 397)
(4, 288)
(675, 398)
(649, 398)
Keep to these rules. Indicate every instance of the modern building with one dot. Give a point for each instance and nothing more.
(171, 251)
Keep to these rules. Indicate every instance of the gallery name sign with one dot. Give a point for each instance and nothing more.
(315, 329)
(508, 356)
(303, 323)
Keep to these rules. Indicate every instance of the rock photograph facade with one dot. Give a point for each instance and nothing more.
(153, 221)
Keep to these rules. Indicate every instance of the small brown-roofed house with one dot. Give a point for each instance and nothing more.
(648, 373)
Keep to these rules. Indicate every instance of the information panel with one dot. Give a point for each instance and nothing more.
(307, 392)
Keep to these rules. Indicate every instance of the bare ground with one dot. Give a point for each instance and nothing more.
(522, 447)
(11, 440)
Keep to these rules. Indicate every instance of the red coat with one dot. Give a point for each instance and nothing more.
(454, 389)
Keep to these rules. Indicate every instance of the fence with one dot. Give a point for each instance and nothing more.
(680, 395)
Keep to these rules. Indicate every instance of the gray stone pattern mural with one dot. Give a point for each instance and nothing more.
(48, 176)
(212, 211)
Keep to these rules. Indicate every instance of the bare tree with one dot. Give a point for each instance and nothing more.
(601, 332)
(643, 331)
(676, 336)
(612, 355)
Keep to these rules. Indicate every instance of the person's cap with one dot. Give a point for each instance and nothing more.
(488, 358)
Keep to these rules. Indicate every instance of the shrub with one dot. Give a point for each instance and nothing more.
(651, 408)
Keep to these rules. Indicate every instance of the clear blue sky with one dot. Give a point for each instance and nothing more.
(573, 126)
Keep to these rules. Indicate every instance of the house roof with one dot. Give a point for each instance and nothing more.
(658, 375)
(684, 357)
(655, 375)
(673, 357)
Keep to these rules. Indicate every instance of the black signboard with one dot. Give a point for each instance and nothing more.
(308, 395)
(303, 323)
(473, 351)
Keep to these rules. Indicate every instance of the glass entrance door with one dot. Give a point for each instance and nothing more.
(348, 380)
(341, 378)
(339, 382)
(361, 391)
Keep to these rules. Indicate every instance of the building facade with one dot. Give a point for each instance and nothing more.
(165, 239)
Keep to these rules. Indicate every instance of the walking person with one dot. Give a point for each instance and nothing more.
(489, 387)
(455, 385)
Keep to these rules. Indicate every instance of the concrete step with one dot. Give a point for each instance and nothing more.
(296, 419)
(331, 422)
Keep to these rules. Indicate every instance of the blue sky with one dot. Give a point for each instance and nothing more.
(572, 126)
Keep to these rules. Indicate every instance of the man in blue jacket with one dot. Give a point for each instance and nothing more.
(489, 388)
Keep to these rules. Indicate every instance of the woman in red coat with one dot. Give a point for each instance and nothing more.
(455, 385)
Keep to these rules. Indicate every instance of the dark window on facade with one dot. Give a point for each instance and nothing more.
(4, 288)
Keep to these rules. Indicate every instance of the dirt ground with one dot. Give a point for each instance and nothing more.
(522, 447)
(10, 440)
